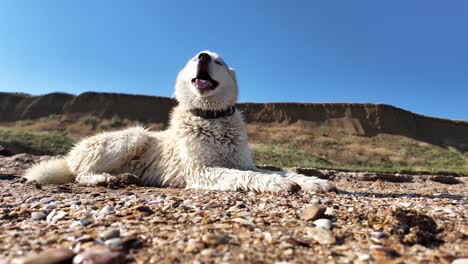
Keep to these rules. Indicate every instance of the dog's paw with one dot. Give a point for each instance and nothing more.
(311, 183)
(317, 185)
(284, 185)
(119, 181)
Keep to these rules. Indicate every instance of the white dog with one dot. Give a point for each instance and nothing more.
(205, 146)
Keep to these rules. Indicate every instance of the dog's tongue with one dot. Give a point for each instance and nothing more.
(202, 84)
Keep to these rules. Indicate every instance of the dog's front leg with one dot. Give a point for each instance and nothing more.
(223, 179)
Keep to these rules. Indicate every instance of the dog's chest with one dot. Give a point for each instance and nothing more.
(214, 143)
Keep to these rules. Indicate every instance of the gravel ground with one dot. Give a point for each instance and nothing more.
(373, 218)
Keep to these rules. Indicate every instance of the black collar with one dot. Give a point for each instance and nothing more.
(211, 114)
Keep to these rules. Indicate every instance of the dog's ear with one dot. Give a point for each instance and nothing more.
(233, 74)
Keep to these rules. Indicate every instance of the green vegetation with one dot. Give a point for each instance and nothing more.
(25, 122)
(284, 156)
(116, 121)
(44, 143)
(303, 147)
(90, 120)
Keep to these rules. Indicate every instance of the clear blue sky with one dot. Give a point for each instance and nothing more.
(411, 54)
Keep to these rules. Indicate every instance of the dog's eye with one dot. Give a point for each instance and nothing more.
(218, 62)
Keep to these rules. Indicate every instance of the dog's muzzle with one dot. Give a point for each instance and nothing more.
(203, 81)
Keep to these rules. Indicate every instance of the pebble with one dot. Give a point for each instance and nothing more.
(114, 243)
(49, 206)
(312, 212)
(86, 221)
(110, 233)
(99, 257)
(194, 246)
(82, 239)
(363, 257)
(50, 216)
(37, 216)
(382, 252)
(108, 209)
(50, 256)
(321, 235)
(129, 198)
(323, 223)
(460, 261)
(209, 252)
(31, 199)
(244, 222)
(58, 215)
(46, 200)
(330, 211)
(378, 234)
(215, 239)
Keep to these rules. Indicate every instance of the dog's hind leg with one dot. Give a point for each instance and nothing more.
(97, 160)
(106, 179)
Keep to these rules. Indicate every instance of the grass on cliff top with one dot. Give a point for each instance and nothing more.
(38, 143)
(285, 156)
(296, 146)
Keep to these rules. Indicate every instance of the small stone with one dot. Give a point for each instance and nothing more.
(330, 211)
(82, 239)
(321, 235)
(215, 239)
(52, 256)
(114, 243)
(381, 253)
(46, 200)
(144, 209)
(49, 207)
(57, 216)
(37, 216)
(129, 198)
(109, 234)
(378, 234)
(209, 252)
(323, 223)
(460, 261)
(244, 222)
(50, 216)
(194, 246)
(363, 257)
(108, 209)
(31, 199)
(86, 221)
(312, 212)
(99, 257)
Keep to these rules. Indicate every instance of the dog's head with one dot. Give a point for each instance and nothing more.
(206, 82)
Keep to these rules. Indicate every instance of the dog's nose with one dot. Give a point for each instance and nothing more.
(204, 57)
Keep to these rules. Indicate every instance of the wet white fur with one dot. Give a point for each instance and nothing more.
(210, 154)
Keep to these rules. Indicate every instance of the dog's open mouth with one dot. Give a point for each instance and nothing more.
(204, 82)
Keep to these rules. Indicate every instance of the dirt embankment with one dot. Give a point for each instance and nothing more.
(357, 119)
